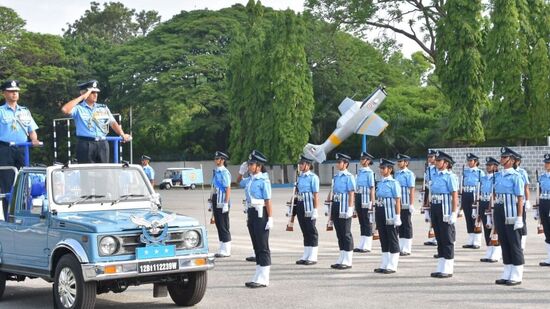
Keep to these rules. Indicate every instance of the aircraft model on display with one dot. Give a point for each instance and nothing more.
(357, 117)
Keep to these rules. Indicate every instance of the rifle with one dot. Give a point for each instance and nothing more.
(355, 209)
(375, 233)
(427, 198)
(328, 204)
(210, 205)
(425, 189)
(494, 234)
(292, 203)
(540, 227)
(459, 211)
(477, 227)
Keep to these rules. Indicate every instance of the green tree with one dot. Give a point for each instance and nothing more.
(11, 27)
(539, 96)
(461, 69)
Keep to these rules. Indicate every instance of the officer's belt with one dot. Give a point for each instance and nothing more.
(485, 197)
(545, 195)
(7, 143)
(469, 188)
(92, 139)
(438, 197)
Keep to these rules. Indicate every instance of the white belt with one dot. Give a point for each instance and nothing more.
(437, 197)
(469, 188)
(545, 196)
(485, 198)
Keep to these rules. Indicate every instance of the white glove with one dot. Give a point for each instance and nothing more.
(536, 217)
(314, 214)
(489, 224)
(243, 168)
(225, 208)
(528, 204)
(452, 219)
(269, 224)
(349, 212)
(519, 223)
(474, 213)
(209, 205)
(397, 220)
(411, 209)
(427, 216)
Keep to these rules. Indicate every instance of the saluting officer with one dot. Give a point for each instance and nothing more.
(544, 206)
(509, 190)
(16, 126)
(493, 253)
(341, 213)
(443, 207)
(92, 121)
(526, 201)
(221, 202)
(388, 218)
(364, 198)
(406, 179)
(470, 183)
(260, 222)
(428, 175)
(306, 210)
(149, 171)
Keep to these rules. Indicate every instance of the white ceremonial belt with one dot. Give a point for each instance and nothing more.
(545, 196)
(469, 189)
(336, 198)
(438, 197)
(485, 198)
(300, 198)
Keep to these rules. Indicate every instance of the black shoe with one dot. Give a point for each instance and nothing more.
(501, 281)
(343, 266)
(219, 255)
(513, 282)
(247, 284)
(444, 275)
(544, 264)
(475, 247)
(379, 270)
(335, 266)
(307, 263)
(435, 275)
(468, 246)
(301, 262)
(255, 285)
(436, 256)
(388, 271)
(404, 254)
(488, 260)
(430, 243)
(251, 259)
(361, 250)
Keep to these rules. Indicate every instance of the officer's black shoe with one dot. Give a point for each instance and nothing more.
(379, 270)
(513, 282)
(467, 246)
(544, 264)
(218, 255)
(444, 275)
(343, 266)
(247, 284)
(488, 260)
(501, 281)
(435, 275)
(251, 259)
(255, 285)
(404, 254)
(301, 262)
(436, 256)
(307, 263)
(388, 271)
(335, 266)
(361, 250)
(430, 243)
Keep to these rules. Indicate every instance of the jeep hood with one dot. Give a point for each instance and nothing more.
(111, 220)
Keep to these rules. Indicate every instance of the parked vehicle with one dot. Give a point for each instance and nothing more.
(181, 177)
(97, 228)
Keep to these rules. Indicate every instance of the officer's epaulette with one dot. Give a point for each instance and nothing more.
(22, 107)
(100, 105)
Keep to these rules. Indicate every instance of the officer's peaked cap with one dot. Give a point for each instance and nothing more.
(222, 155)
(366, 155)
(402, 157)
(343, 156)
(440, 155)
(471, 156)
(91, 84)
(507, 152)
(386, 163)
(144, 157)
(257, 157)
(305, 159)
(547, 158)
(491, 160)
(10, 85)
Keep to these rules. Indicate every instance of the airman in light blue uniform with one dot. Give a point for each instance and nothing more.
(221, 182)
(471, 179)
(364, 198)
(307, 210)
(406, 179)
(544, 205)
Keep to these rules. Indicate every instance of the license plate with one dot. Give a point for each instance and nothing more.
(155, 252)
(158, 266)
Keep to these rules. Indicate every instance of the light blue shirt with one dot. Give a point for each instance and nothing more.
(221, 178)
(15, 124)
(149, 171)
(308, 182)
(257, 186)
(406, 178)
(430, 172)
(444, 182)
(92, 121)
(365, 177)
(344, 182)
(509, 181)
(388, 187)
(544, 181)
(486, 184)
(524, 174)
(472, 176)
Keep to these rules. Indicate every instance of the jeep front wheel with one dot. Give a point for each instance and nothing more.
(3, 278)
(190, 292)
(69, 289)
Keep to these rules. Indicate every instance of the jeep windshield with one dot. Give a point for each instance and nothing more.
(101, 184)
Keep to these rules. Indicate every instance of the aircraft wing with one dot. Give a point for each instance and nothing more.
(346, 104)
(373, 125)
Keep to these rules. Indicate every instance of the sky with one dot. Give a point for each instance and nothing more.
(51, 16)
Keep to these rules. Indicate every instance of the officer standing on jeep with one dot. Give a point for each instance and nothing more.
(92, 122)
(16, 126)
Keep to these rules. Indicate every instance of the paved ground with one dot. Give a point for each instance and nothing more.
(318, 286)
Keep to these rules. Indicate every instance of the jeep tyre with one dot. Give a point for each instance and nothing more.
(191, 292)
(3, 277)
(193, 186)
(167, 186)
(69, 289)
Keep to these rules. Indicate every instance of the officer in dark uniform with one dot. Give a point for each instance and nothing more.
(470, 185)
(443, 212)
(221, 181)
(260, 222)
(544, 206)
(343, 193)
(16, 126)
(406, 179)
(494, 252)
(388, 218)
(363, 202)
(509, 190)
(92, 121)
(307, 210)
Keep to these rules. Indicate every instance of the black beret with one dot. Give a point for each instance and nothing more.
(91, 84)
(222, 155)
(10, 85)
(343, 156)
(257, 157)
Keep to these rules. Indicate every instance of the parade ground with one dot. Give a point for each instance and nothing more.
(319, 286)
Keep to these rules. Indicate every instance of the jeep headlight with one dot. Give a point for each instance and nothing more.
(191, 239)
(108, 245)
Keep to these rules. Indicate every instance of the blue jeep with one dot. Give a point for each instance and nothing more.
(95, 228)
